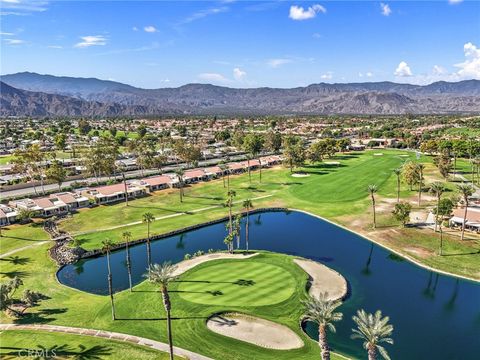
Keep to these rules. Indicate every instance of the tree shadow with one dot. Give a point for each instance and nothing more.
(461, 254)
(216, 198)
(42, 316)
(58, 351)
(16, 260)
(22, 238)
(16, 273)
(164, 318)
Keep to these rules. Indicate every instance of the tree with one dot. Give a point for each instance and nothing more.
(252, 145)
(372, 189)
(247, 204)
(148, 218)
(24, 215)
(443, 210)
(273, 141)
(229, 203)
(127, 236)
(30, 298)
(7, 290)
(228, 240)
(465, 191)
(398, 174)
(410, 173)
(374, 330)
(181, 182)
(162, 275)
(294, 152)
(84, 127)
(107, 245)
(401, 212)
(437, 188)
(224, 169)
(420, 168)
(57, 173)
(322, 312)
(237, 224)
(60, 141)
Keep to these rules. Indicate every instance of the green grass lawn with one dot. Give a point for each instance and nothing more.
(335, 192)
(68, 346)
(237, 282)
(17, 236)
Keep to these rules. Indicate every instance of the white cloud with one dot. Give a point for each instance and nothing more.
(369, 74)
(438, 70)
(403, 70)
(24, 7)
(135, 28)
(14, 41)
(316, 35)
(238, 74)
(150, 29)
(470, 68)
(386, 11)
(327, 76)
(204, 13)
(453, 2)
(91, 40)
(275, 63)
(299, 13)
(212, 77)
(6, 34)
(55, 47)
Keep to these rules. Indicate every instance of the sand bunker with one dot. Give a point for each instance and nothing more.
(191, 263)
(332, 162)
(324, 279)
(255, 331)
(300, 175)
(378, 154)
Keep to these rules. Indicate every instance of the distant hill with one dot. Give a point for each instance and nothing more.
(349, 98)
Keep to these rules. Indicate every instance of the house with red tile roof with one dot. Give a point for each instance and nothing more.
(112, 193)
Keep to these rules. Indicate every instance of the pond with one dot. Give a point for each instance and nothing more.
(435, 316)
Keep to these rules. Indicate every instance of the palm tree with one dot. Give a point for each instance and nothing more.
(322, 312)
(465, 191)
(180, 173)
(373, 329)
(107, 245)
(127, 236)
(420, 167)
(229, 203)
(224, 169)
(372, 189)
(162, 275)
(148, 218)
(237, 224)
(437, 188)
(398, 173)
(247, 204)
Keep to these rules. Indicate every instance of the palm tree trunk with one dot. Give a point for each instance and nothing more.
(322, 341)
(374, 214)
(441, 240)
(372, 352)
(454, 166)
(249, 174)
(223, 178)
(464, 220)
(129, 267)
(110, 288)
(167, 305)
(436, 215)
(246, 228)
(149, 253)
(228, 181)
(398, 189)
(260, 168)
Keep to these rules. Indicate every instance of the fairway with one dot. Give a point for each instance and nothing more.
(237, 283)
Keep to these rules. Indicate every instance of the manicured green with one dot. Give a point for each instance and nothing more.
(237, 283)
(15, 343)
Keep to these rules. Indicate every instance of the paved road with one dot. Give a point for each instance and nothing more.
(108, 335)
(129, 174)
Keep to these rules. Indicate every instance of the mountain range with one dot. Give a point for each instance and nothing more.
(31, 94)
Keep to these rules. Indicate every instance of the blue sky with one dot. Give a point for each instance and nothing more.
(155, 44)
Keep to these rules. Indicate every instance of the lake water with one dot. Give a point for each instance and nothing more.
(435, 316)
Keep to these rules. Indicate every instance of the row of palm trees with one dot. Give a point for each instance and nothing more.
(373, 329)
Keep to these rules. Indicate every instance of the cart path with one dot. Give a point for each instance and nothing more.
(108, 335)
